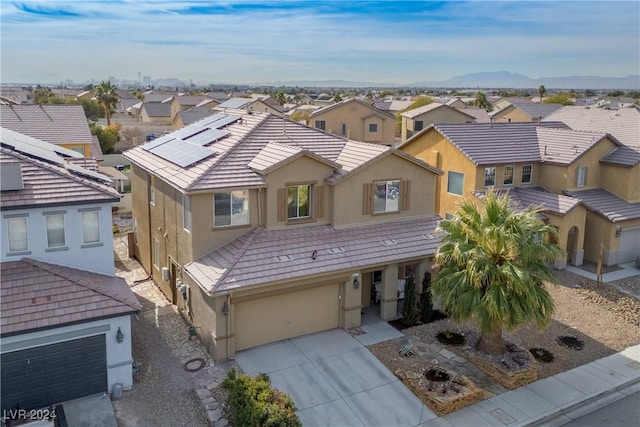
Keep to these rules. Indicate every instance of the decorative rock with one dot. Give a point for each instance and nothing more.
(447, 354)
(213, 385)
(214, 415)
(207, 400)
(212, 406)
(203, 393)
(222, 422)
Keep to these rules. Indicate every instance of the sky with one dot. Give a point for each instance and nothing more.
(251, 42)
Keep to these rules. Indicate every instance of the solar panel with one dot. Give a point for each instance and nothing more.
(157, 142)
(82, 171)
(224, 121)
(208, 136)
(234, 103)
(187, 132)
(208, 120)
(182, 153)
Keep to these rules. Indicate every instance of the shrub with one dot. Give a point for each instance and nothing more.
(253, 402)
(409, 307)
(426, 305)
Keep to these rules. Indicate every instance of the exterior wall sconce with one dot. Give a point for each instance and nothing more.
(225, 309)
(618, 231)
(356, 284)
(119, 336)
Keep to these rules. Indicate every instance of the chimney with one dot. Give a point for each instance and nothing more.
(539, 120)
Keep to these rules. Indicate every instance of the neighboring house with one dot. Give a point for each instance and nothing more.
(503, 102)
(355, 120)
(234, 104)
(193, 114)
(184, 102)
(417, 119)
(63, 125)
(155, 112)
(456, 103)
(525, 112)
(125, 104)
(548, 165)
(243, 214)
(266, 104)
(156, 97)
(65, 318)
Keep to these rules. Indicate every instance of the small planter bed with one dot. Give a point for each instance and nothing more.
(450, 338)
(542, 355)
(435, 316)
(570, 342)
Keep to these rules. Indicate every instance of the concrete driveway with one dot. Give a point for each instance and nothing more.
(335, 381)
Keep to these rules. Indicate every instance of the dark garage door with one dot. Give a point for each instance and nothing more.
(41, 376)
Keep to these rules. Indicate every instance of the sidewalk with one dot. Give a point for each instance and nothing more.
(628, 270)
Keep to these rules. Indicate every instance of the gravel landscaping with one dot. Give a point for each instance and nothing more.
(603, 318)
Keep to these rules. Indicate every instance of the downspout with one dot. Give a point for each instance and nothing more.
(228, 326)
(259, 203)
(150, 237)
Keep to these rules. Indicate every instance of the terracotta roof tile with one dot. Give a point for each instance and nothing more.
(57, 124)
(62, 295)
(606, 204)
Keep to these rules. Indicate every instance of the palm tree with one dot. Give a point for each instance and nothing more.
(541, 92)
(107, 95)
(481, 101)
(493, 268)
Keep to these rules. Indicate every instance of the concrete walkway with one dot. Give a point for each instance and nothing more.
(628, 269)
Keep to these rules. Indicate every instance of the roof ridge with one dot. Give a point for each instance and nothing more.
(250, 238)
(52, 269)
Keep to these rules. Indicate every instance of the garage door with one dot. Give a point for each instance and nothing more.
(41, 376)
(279, 317)
(629, 245)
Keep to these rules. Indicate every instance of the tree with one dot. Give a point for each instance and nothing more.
(563, 98)
(107, 95)
(337, 98)
(481, 101)
(107, 136)
(426, 305)
(43, 95)
(493, 268)
(409, 306)
(280, 98)
(541, 91)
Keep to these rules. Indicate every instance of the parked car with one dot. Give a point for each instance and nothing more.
(150, 137)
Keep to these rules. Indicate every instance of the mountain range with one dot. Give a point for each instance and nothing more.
(492, 80)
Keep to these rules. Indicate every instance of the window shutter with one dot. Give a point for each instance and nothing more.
(282, 204)
(405, 189)
(319, 202)
(367, 199)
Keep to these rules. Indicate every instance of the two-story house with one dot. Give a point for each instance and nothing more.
(417, 119)
(544, 165)
(356, 120)
(260, 228)
(65, 318)
(63, 125)
(523, 112)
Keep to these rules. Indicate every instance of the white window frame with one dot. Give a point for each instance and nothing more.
(489, 168)
(530, 167)
(155, 252)
(11, 228)
(448, 181)
(297, 202)
(234, 219)
(582, 175)
(317, 124)
(84, 215)
(186, 212)
(49, 216)
(374, 125)
(504, 175)
(392, 192)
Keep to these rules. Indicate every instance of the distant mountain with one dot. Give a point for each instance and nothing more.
(490, 80)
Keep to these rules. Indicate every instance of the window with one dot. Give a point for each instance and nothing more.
(298, 203)
(152, 189)
(581, 176)
(55, 230)
(186, 212)
(508, 175)
(455, 181)
(90, 227)
(526, 174)
(373, 127)
(78, 150)
(386, 196)
(418, 125)
(344, 129)
(231, 208)
(321, 124)
(17, 231)
(155, 252)
(490, 176)
(448, 216)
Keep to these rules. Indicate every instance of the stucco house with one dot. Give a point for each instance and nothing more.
(417, 119)
(65, 318)
(355, 120)
(523, 112)
(185, 102)
(63, 125)
(191, 115)
(155, 112)
(567, 172)
(265, 229)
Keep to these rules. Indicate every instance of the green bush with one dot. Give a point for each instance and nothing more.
(253, 402)
(426, 305)
(409, 307)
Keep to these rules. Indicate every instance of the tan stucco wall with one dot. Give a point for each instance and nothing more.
(512, 114)
(85, 147)
(356, 117)
(349, 193)
(441, 115)
(140, 213)
(624, 182)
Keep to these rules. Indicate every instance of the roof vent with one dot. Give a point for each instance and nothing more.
(389, 242)
(337, 250)
(11, 177)
(284, 258)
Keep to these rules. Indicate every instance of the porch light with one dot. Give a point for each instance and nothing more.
(119, 336)
(618, 231)
(356, 284)
(225, 309)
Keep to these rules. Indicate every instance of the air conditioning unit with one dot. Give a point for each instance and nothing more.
(165, 274)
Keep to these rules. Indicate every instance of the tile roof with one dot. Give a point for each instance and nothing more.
(96, 149)
(57, 124)
(424, 109)
(265, 256)
(523, 198)
(606, 204)
(229, 168)
(373, 108)
(550, 142)
(194, 114)
(156, 97)
(480, 114)
(189, 100)
(234, 103)
(39, 295)
(535, 110)
(157, 109)
(48, 182)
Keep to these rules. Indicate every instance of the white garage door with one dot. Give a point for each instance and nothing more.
(629, 245)
(269, 319)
